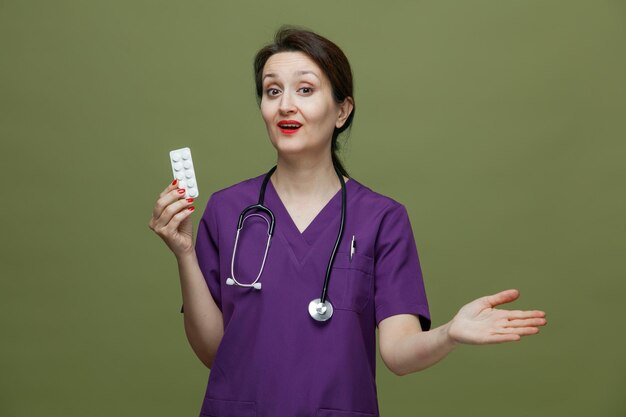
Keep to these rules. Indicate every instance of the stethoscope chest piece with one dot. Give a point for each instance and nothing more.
(320, 311)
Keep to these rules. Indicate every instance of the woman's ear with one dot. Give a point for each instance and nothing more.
(345, 108)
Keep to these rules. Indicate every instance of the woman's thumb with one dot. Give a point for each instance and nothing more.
(503, 297)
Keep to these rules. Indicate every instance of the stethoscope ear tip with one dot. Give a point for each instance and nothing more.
(256, 285)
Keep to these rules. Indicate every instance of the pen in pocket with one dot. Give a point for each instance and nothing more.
(352, 247)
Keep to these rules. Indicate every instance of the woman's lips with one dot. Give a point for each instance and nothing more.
(289, 127)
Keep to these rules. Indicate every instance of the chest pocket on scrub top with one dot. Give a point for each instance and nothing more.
(351, 283)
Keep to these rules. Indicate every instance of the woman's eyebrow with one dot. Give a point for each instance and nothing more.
(302, 72)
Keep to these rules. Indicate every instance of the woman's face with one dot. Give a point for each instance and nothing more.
(298, 106)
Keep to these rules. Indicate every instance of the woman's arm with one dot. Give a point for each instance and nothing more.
(203, 319)
(405, 348)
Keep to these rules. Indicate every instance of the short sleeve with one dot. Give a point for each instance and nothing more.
(399, 285)
(207, 251)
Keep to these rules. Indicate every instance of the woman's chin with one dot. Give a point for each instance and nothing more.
(294, 146)
(290, 146)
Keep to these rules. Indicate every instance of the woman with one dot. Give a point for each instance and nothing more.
(276, 343)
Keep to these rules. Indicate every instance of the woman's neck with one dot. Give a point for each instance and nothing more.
(305, 179)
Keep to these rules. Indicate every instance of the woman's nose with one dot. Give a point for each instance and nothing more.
(287, 105)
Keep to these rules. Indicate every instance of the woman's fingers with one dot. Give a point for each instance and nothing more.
(503, 338)
(172, 209)
(172, 186)
(166, 200)
(521, 327)
(177, 219)
(523, 314)
(510, 334)
(522, 331)
(526, 322)
(503, 297)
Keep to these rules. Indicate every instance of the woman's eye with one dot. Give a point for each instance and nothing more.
(272, 91)
(306, 90)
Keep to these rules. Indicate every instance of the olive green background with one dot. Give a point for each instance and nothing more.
(499, 124)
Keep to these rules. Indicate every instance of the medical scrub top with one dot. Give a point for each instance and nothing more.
(275, 360)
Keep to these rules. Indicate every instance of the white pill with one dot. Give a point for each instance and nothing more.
(189, 174)
(193, 192)
(191, 183)
(176, 157)
(178, 166)
(187, 164)
(179, 175)
(186, 155)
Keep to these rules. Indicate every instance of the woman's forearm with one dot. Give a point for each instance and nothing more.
(418, 351)
(202, 318)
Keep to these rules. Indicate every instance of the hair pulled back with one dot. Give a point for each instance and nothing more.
(331, 60)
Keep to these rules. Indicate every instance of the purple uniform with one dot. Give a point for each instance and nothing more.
(275, 360)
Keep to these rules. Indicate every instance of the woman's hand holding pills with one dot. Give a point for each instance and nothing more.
(170, 219)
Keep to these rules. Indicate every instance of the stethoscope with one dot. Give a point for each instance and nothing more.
(320, 308)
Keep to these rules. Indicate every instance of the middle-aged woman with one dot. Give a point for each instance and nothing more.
(289, 328)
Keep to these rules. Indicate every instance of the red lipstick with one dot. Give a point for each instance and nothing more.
(289, 127)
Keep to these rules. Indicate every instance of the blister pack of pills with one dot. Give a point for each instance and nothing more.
(183, 170)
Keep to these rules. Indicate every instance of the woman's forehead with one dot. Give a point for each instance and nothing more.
(289, 64)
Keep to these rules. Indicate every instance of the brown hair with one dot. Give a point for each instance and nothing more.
(331, 60)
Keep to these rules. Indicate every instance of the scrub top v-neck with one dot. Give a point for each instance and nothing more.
(274, 360)
(302, 242)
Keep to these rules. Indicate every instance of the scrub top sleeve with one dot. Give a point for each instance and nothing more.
(207, 251)
(399, 285)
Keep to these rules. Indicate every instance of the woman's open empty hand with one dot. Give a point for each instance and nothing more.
(479, 322)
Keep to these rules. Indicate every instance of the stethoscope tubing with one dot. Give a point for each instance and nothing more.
(267, 246)
(319, 309)
(339, 236)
